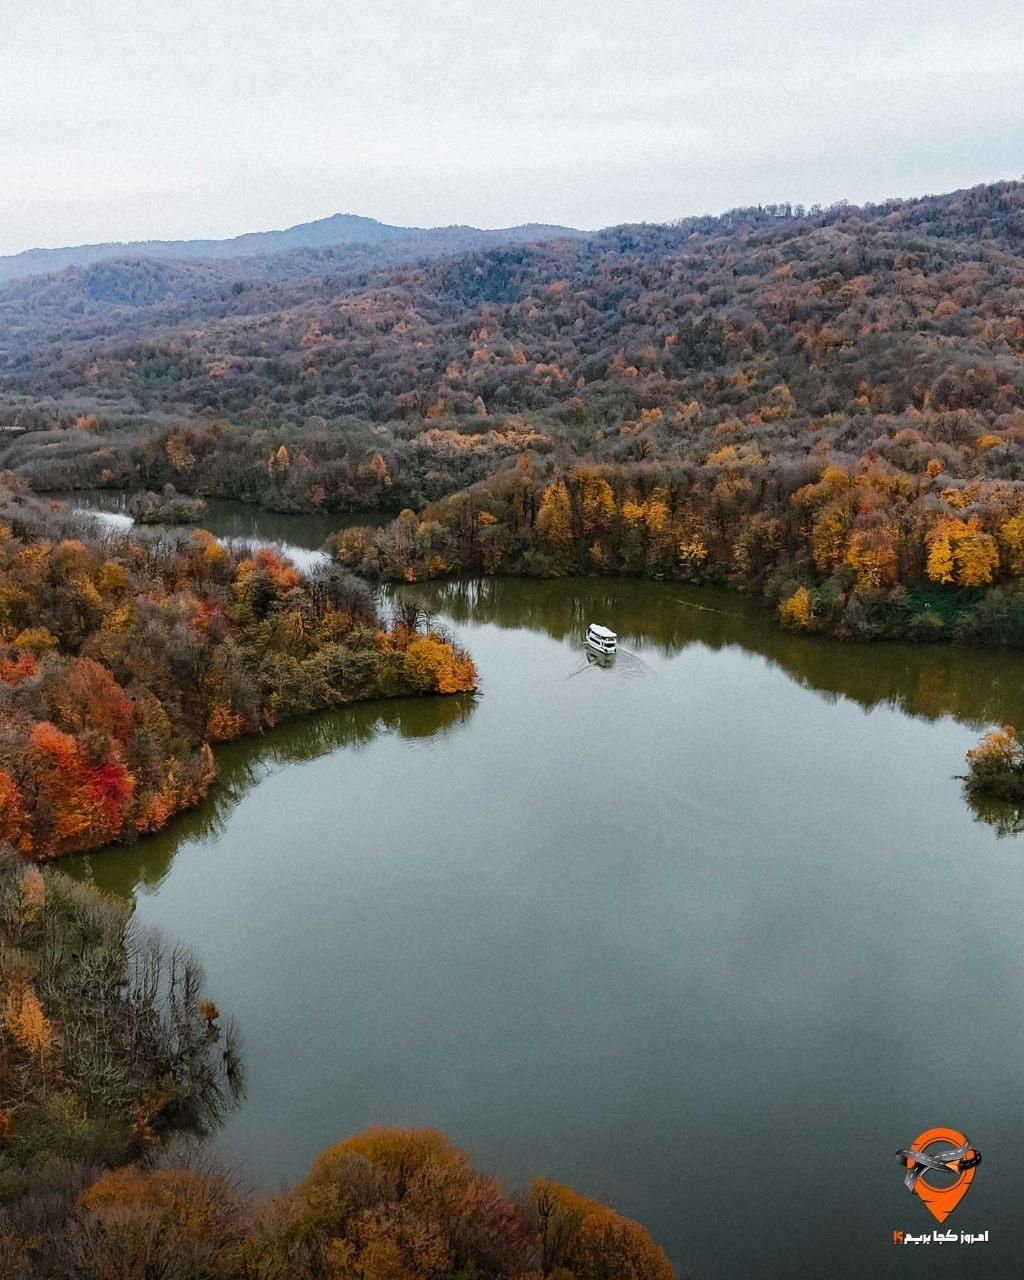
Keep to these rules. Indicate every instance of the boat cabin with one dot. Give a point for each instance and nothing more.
(601, 638)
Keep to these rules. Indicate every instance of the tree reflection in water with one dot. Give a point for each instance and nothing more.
(926, 681)
(977, 688)
(1006, 817)
(243, 764)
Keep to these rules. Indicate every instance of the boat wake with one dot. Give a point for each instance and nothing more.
(630, 666)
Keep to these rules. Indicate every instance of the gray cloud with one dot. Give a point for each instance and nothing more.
(127, 120)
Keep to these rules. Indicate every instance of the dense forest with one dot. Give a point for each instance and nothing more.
(775, 314)
(122, 659)
(110, 1052)
(823, 406)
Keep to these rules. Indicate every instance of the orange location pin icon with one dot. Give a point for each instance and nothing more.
(940, 1165)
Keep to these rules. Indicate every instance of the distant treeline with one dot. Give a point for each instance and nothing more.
(359, 467)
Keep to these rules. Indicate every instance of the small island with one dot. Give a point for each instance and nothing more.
(167, 507)
(996, 767)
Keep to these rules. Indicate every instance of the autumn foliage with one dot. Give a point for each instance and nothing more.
(387, 1204)
(996, 766)
(855, 547)
(122, 659)
(107, 1045)
(779, 397)
(432, 664)
(583, 1237)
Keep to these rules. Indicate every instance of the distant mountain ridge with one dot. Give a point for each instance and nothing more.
(768, 315)
(336, 231)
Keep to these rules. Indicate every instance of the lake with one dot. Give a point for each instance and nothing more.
(709, 932)
(300, 535)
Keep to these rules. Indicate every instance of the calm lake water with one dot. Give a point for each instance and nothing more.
(708, 933)
(300, 535)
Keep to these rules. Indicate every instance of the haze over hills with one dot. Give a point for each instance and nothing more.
(337, 230)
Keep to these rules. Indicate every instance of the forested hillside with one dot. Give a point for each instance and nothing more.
(760, 313)
(826, 406)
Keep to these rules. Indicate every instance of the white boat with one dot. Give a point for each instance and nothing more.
(600, 639)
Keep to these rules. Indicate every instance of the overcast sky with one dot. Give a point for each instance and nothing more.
(129, 119)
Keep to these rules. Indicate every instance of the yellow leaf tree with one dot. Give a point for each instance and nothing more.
(960, 553)
(554, 522)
